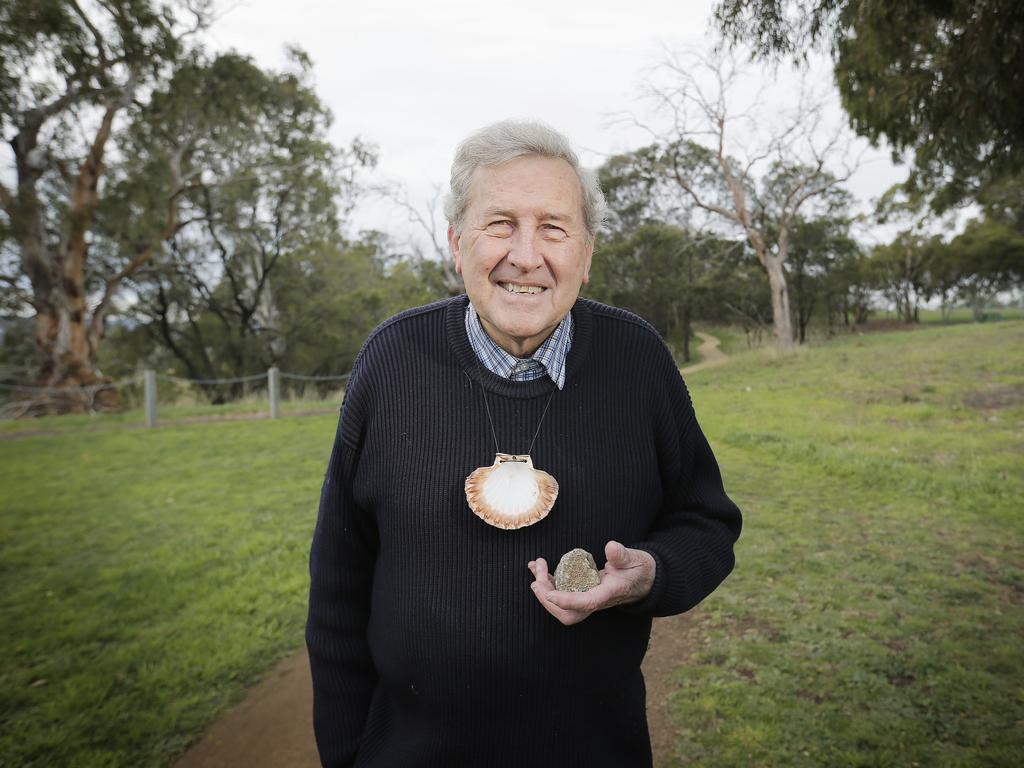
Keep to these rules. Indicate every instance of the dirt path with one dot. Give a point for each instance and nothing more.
(273, 726)
(710, 354)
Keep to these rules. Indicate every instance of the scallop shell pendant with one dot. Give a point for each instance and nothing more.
(510, 493)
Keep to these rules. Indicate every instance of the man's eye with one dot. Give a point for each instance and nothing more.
(500, 224)
(553, 231)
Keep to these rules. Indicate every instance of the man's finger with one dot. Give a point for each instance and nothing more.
(543, 587)
(594, 599)
(579, 602)
(543, 591)
(542, 584)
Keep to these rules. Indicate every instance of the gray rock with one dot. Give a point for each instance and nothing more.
(576, 572)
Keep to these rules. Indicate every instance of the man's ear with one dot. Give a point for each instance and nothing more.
(587, 260)
(454, 241)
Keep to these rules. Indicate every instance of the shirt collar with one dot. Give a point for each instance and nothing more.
(548, 359)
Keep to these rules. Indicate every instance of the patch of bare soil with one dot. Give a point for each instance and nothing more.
(673, 641)
(271, 728)
(995, 397)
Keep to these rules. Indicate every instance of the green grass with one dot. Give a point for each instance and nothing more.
(874, 617)
(149, 576)
(731, 339)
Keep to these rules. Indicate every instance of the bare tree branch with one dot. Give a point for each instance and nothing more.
(425, 219)
(767, 173)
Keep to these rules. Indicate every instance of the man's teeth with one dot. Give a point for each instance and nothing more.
(513, 288)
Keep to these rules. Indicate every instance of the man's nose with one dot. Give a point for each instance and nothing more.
(525, 252)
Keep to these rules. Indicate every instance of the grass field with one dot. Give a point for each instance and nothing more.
(874, 618)
(149, 576)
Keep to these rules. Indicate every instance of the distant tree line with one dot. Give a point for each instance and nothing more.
(657, 264)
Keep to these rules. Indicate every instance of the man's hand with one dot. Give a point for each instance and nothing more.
(627, 578)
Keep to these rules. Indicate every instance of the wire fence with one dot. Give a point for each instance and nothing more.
(58, 391)
(145, 384)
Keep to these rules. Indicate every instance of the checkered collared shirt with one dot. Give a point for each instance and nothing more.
(548, 359)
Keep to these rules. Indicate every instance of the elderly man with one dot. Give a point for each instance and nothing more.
(488, 434)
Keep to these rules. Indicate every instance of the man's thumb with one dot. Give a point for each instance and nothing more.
(617, 555)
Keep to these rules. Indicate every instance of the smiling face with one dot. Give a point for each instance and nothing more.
(523, 251)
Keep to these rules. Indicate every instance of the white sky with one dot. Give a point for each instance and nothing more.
(415, 78)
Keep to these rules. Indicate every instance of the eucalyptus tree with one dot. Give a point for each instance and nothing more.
(664, 273)
(150, 177)
(330, 300)
(639, 188)
(939, 80)
(748, 173)
(70, 75)
(821, 250)
(986, 259)
(903, 270)
(245, 155)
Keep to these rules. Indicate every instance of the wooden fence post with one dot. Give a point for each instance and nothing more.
(274, 389)
(149, 379)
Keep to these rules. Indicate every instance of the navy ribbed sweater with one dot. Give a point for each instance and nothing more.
(426, 644)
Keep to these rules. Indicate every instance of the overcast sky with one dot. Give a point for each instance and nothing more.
(414, 78)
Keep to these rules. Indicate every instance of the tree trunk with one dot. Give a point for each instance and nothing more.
(66, 356)
(782, 322)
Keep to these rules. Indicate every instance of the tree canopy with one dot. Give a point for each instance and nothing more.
(256, 184)
(941, 80)
(143, 165)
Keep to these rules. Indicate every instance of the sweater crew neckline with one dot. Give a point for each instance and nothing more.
(455, 322)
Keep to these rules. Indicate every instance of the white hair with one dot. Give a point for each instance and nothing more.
(506, 140)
